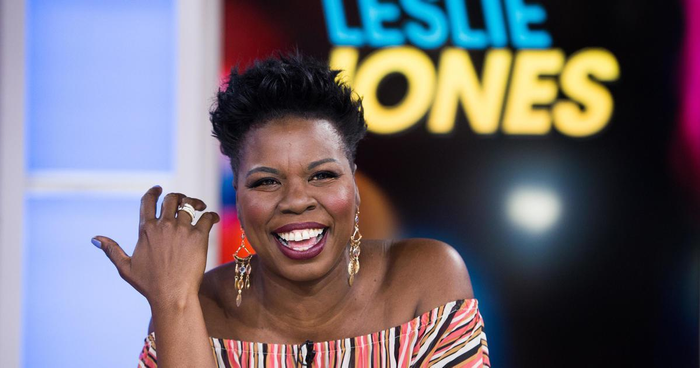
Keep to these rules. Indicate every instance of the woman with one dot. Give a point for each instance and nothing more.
(291, 132)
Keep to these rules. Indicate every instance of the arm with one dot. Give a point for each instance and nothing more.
(457, 337)
(183, 340)
(167, 267)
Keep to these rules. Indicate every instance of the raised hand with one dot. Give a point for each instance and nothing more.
(169, 260)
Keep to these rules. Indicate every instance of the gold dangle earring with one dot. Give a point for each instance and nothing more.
(242, 269)
(354, 264)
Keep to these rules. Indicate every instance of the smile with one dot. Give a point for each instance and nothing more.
(303, 243)
(300, 240)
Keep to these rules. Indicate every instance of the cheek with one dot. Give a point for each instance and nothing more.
(254, 214)
(252, 211)
(341, 203)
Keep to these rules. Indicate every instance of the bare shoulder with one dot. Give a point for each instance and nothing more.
(212, 281)
(431, 271)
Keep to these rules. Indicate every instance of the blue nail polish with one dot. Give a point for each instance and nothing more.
(96, 243)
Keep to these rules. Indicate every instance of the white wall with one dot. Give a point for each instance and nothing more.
(98, 102)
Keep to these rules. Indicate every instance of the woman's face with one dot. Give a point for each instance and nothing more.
(296, 196)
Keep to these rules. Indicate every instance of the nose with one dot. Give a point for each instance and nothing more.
(296, 198)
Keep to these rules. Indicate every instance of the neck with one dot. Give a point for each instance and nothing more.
(304, 307)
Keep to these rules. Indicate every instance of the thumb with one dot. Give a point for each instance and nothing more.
(114, 252)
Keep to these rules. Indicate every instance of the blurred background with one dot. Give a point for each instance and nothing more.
(555, 144)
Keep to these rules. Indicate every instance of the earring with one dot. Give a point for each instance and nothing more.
(354, 264)
(242, 269)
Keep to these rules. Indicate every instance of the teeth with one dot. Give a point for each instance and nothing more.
(299, 235)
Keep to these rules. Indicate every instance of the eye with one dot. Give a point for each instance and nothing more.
(322, 175)
(265, 182)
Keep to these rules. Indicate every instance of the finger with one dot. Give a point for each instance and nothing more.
(148, 203)
(207, 220)
(197, 203)
(184, 217)
(115, 253)
(169, 206)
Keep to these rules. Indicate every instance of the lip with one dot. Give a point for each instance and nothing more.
(304, 254)
(299, 226)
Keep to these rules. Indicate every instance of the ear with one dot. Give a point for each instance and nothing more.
(357, 190)
(238, 213)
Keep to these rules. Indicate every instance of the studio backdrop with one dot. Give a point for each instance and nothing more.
(555, 144)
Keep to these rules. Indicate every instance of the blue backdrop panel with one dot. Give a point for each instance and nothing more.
(101, 84)
(77, 310)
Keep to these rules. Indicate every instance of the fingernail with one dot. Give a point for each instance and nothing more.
(96, 243)
(157, 186)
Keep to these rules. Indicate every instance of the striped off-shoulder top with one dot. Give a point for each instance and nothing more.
(451, 335)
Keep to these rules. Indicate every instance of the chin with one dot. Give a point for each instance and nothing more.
(311, 269)
(307, 273)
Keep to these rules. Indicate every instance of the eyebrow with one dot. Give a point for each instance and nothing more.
(276, 172)
(262, 169)
(320, 162)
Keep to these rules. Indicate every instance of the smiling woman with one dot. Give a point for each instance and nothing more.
(291, 131)
(307, 184)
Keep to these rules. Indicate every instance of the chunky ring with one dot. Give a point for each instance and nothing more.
(187, 208)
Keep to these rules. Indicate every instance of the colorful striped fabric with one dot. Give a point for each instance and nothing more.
(451, 335)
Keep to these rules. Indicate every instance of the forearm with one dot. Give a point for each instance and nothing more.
(181, 335)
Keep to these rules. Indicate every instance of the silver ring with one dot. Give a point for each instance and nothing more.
(187, 208)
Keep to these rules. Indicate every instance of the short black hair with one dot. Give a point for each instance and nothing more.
(285, 85)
